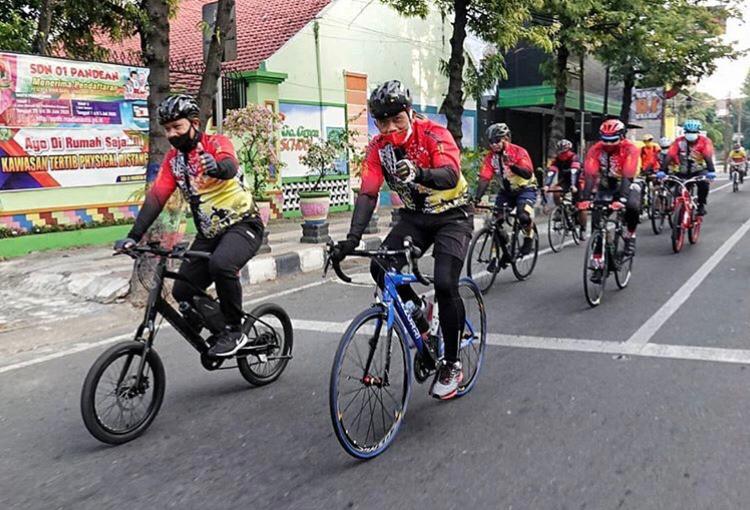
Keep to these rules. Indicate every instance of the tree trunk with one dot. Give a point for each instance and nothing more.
(215, 56)
(627, 95)
(453, 104)
(155, 48)
(557, 126)
(41, 39)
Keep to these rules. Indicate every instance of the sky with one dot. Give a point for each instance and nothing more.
(730, 74)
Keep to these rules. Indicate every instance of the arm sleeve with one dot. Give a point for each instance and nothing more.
(444, 177)
(445, 159)
(156, 197)
(630, 163)
(372, 173)
(481, 188)
(363, 209)
(221, 148)
(591, 163)
(523, 166)
(709, 155)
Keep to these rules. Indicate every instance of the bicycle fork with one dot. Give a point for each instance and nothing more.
(370, 380)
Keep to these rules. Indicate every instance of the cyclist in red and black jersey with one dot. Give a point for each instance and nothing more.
(610, 167)
(567, 168)
(511, 164)
(421, 162)
(205, 169)
(692, 155)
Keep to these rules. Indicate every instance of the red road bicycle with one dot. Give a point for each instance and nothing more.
(684, 215)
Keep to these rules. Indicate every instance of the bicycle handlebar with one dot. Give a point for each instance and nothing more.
(411, 252)
(179, 251)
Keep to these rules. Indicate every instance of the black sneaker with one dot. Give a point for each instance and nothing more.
(629, 249)
(528, 246)
(449, 375)
(228, 342)
(701, 210)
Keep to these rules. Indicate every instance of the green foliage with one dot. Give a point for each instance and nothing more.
(257, 128)
(16, 31)
(321, 155)
(666, 43)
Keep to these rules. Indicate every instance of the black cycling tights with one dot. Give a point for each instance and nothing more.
(450, 304)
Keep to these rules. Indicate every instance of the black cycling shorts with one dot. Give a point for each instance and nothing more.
(449, 231)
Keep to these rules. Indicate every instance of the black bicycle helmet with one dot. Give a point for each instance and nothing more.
(178, 106)
(389, 99)
(497, 132)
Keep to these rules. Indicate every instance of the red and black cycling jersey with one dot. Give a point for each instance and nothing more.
(512, 166)
(619, 163)
(686, 157)
(566, 166)
(431, 147)
(216, 202)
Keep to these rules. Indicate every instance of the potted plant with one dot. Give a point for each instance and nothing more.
(321, 158)
(256, 129)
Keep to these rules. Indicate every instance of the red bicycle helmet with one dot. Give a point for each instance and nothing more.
(612, 130)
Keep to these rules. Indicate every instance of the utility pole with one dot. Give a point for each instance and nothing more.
(582, 107)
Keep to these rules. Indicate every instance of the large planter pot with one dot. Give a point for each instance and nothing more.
(314, 206)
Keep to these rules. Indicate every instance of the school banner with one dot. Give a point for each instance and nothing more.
(69, 123)
(301, 126)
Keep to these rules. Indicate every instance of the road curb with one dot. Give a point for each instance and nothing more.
(302, 260)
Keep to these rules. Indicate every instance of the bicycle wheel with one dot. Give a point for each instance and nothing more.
(367, 408)
(523, 265)
(694, 232)
(557, 229)
(573, 220)
(115, 408)
(678, 231)
(735, 183)
(595, 269)
(483, 250)
(658, 214)
(474, 335)
(267, 324)
(623, 264)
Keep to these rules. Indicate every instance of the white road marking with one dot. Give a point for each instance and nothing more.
(682, 352)
(76, 348)
(649, 328)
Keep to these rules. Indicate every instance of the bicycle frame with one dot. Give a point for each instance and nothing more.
(156, 304)
(685, 197)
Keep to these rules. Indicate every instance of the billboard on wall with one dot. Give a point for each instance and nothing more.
(648, 104)
(301, 125)
(66, 123)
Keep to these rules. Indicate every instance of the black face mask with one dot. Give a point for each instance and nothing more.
(185, 142)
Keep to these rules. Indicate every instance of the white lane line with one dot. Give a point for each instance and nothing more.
(76, 348)
(682, 352)
(649, 328)
(266, 297)
(721, 187)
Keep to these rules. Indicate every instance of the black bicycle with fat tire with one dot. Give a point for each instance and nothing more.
(124, 389)
(491, 250)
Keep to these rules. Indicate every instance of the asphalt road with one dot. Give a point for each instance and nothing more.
(640, 403)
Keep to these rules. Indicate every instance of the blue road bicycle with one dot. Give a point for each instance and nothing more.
(372, 371)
